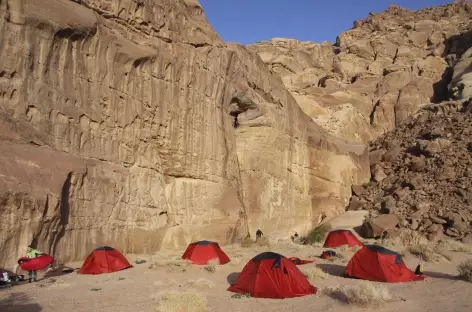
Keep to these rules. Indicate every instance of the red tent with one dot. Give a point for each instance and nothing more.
(270, 275)
(104, 260)
(340, 238)
(376, 263)
(34, 264)
(204, 251)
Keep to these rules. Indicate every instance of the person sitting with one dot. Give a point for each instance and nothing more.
(32, 253)
(419, 269)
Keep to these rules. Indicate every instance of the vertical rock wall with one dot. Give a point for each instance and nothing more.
(117, 128)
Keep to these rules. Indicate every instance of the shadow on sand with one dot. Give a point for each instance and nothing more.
(232, 278)
(19, 302)
(441, 275)
(59, 271)
(332, 269)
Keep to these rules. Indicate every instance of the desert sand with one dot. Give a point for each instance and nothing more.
(141, 287)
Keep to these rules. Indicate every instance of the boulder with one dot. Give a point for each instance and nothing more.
(350, 219)
(358, 190)
(376, 227)
(378, 173)
(437, 220)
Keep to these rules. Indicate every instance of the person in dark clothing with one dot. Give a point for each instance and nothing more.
(259, 234)
(236, 122)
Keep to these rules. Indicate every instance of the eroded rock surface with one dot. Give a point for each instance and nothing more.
(117, 128)
(379, 72)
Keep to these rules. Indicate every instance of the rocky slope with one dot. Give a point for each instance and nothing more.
(378, 73)
(116, 128)
(422, 173)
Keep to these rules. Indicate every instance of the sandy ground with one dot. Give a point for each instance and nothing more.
(138, 288)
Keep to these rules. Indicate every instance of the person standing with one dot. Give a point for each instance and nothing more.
(259, 234)
(32, 253)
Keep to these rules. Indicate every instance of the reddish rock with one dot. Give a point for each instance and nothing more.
(375, 228)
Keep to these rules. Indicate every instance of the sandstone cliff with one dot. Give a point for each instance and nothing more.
(116, 127)
(379, 72)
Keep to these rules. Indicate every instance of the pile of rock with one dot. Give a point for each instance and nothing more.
(422, 175)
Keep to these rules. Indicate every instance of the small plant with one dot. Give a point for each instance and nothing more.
(185, 301)
(121, 278)
(456, 246)
(314, 273)
(424, 252)
(240, 296)
(247, 242)
(201, 283)
(316, 235)
(465, 270)
(211, 266)
(95, 289)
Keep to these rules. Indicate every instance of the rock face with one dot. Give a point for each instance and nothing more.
(428, 184)
(378, 73)
(117, 128)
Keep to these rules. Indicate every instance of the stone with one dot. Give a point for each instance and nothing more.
(350, 219)
(378, 174)
(418, 165)
(415, 182)
(117, 128)
(453, 232)
(392, 154)
(437, 220)
(375, 156)
(467, 239)
(414, 224)
(389, 205)
(358, 190)
(404, 223)
(434, 228)
(436, 236)
(356, 204)
(376, 227)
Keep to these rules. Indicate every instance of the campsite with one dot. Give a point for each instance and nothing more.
(166, 282)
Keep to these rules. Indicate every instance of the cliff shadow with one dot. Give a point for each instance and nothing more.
(19, 302)
(455, 47)
(441, 275)
(64, 211)
(332, 269)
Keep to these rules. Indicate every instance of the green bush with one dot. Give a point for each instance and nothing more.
(316, 235)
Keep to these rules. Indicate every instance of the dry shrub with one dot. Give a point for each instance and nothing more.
(201, 283)
(465, 270)
(182, 302)
(456, 246)
(424, 252)
(363, 293)
(247, 242)
(211, 266)
(178, 263)
(316, 235)
(314, 272)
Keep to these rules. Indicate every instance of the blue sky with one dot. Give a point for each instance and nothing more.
(249, 21)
